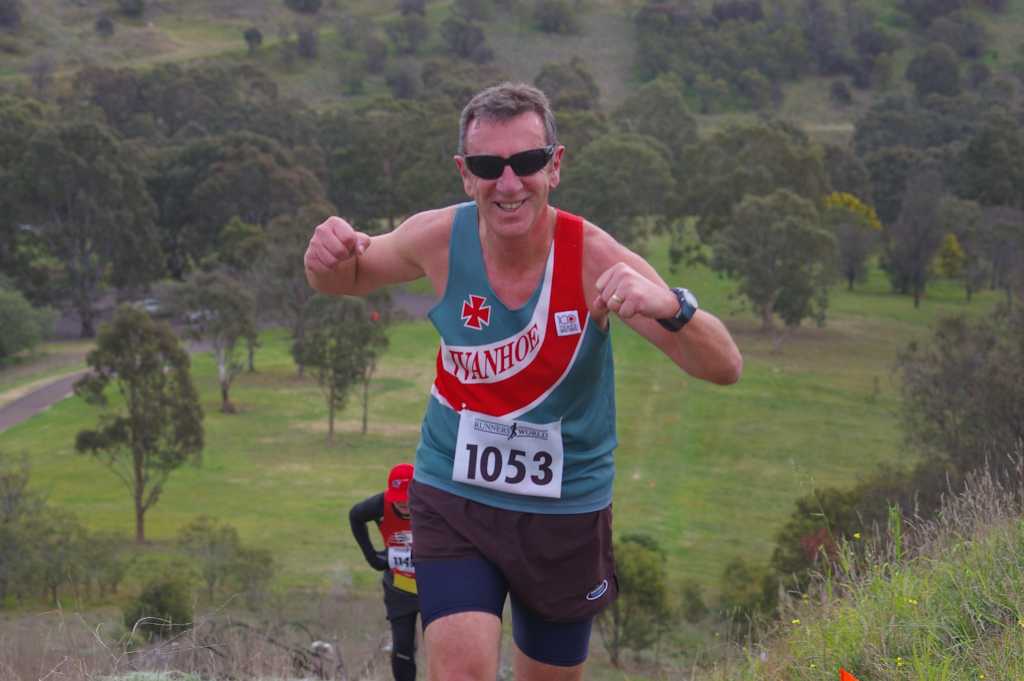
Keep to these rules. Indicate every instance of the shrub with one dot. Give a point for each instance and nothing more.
(404, 81)
(10, 13)
(24, 327)
(105, 26)
(693, 607)
(641, 614)
(304, 6)
(253, 38)
(161, 610)
(132, 8)
(747, 592)
(309, 43)
(555, 16)
(840, 93)
(406, 7)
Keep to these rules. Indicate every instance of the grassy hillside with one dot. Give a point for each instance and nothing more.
(63, 34)
(948, 605)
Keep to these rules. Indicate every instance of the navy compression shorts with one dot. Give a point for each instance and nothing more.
(449, 586)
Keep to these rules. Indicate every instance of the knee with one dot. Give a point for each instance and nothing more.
(464, 646)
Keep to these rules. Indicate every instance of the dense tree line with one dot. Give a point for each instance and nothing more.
(215, 144)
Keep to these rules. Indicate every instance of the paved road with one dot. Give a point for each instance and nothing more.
(37, 400)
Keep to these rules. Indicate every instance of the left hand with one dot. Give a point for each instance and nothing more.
(628, 293)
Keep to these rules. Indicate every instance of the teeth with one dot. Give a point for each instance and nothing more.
(511, 206)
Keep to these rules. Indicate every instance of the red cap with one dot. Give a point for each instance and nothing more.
(398, 483)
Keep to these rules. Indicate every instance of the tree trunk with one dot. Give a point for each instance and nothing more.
(330, 417)
(88, 330)
(137, 492)
(225, 401)
(767, 324)
(299, 334)
(366, 401)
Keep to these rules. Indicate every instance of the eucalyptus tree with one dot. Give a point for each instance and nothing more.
(620, 195)
(153, 423)
(342, 344)
(279, 278)
(569, 85)
(20, 119)
(218, 310)
(202, 186)
(81, 191)
(780, 254)
(912, 241)
(742, 161)
(658, 110)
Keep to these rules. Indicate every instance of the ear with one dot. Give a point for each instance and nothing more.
(555, 172)
(468, 178)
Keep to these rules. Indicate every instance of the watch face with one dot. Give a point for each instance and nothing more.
(690, 298)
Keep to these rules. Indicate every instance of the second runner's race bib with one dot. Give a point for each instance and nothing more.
(400, 558)
(508, 455)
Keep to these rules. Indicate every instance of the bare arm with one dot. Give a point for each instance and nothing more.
(343, 261)
(615, 279)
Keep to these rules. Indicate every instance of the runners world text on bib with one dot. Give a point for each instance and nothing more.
(509, 455)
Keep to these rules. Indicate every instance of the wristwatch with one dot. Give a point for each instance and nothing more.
(687, 308)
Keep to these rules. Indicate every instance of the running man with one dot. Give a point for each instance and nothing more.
(390, 511)
(526, 291)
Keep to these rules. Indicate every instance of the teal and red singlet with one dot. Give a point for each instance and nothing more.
(521, 413)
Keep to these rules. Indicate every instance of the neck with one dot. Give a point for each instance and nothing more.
(522, 251)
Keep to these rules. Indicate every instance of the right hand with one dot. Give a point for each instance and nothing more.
(334, 241)
(381, 562)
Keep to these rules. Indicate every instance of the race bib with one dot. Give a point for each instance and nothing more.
(400, 558)
(509, 455)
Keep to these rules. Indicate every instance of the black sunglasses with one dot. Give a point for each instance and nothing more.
(524, 163)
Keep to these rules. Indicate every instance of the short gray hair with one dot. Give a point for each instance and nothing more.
(504, 102)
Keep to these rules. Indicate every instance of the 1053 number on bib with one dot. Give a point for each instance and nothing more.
(510, 456)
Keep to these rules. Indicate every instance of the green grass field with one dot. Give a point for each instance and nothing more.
(711, 472)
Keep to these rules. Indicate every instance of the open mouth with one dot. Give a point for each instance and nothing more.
(510, 207)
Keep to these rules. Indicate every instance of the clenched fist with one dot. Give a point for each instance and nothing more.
(334, 241)
(627, 293)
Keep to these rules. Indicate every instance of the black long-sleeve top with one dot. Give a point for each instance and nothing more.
(366, 511)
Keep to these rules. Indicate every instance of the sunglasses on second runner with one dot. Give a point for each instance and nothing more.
(524, 163)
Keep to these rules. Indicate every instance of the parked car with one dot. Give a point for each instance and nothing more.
(154, 307)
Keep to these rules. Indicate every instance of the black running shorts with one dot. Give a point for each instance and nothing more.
(560, 567)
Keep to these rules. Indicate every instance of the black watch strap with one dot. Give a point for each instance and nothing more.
(687, 308)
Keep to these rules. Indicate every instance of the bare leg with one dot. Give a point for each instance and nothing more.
(527, 669)
(464, 646)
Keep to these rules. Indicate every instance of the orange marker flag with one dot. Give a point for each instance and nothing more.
(846, 676)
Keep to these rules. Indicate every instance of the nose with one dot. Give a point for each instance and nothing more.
(509, 181)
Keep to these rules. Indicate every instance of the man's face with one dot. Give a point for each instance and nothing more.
(402, 507)
(510, 205)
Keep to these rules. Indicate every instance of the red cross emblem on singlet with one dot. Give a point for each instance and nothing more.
(475, 314)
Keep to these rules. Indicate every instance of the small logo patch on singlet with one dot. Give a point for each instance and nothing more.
(476, 313)
(567, 323)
